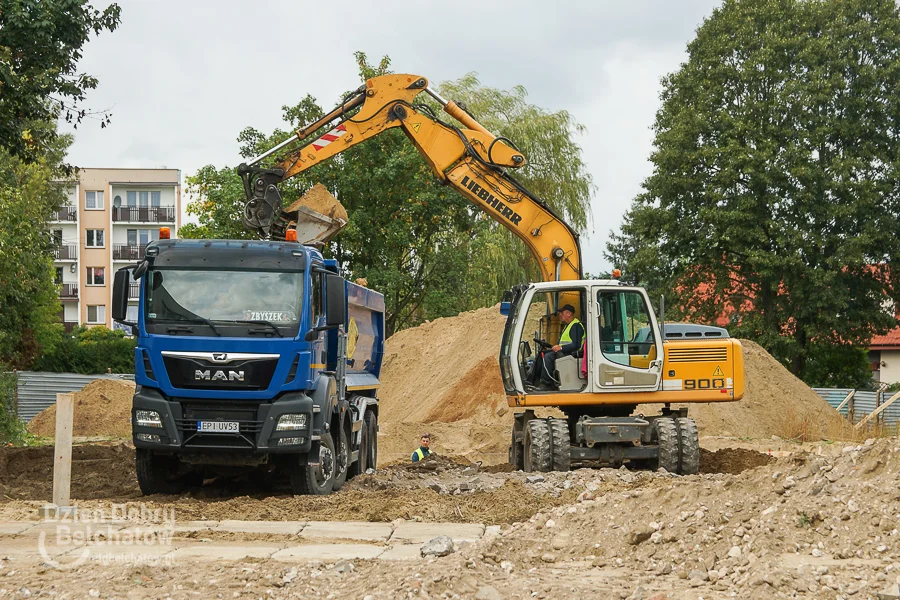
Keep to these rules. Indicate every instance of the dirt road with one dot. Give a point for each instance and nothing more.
(812, 521)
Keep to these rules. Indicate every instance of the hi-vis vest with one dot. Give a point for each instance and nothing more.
(420, 454)
(566, 338)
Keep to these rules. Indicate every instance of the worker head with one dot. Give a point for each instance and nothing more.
(425, 441)
(566, 313)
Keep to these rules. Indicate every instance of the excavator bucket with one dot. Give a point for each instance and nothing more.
(317, 216)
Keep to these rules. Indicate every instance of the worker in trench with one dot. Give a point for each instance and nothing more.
(423, 450)
(570, 342)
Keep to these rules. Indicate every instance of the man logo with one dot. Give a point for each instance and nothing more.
(220, 356)
(218, 375)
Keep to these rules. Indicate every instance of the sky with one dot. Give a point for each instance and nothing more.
(182, 79)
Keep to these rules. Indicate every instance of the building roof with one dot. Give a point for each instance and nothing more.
(889, 341)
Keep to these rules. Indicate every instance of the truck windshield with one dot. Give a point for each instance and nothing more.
(226, 296)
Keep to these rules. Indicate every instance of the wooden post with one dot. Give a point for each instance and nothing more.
(846, 400)
(62, 457)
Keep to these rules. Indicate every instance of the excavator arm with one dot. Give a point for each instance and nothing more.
(470, 159)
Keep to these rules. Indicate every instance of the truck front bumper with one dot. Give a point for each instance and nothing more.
(256, 433)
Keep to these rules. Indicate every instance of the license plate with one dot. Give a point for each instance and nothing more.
(218, 426)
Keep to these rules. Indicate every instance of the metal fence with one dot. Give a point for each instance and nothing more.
(861, 404)
(37, 390)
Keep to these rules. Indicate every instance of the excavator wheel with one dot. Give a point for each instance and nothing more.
(537, 446)
(688, 447)
(560, 453)
(666, 435)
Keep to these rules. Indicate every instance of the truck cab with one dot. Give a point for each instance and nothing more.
(251, 355)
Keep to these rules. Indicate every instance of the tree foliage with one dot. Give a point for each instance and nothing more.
(90, 351)
(421, 244)
(40, 45)
(774, 194)
(29, 298)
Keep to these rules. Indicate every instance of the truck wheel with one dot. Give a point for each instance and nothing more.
(360, 466)
(342, 459)
(537, 446)
(315, 480)
(689, 446)
(372, 426)
(666, 434)
(516, 455)
(561, 453)
(157, 474)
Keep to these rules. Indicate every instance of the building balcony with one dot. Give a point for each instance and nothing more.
(128, 252)
(134, 291)
(68, 291)
(143, 214)
(66, 214)
(68, 326)
(64, 252)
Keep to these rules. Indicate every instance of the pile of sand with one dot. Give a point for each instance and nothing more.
(444, 377)
(102, 408)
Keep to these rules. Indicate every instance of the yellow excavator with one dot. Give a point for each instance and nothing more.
(628, 356)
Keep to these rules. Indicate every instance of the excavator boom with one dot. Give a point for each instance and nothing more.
(471, 159)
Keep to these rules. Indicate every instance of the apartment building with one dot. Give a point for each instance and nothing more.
(109, 217)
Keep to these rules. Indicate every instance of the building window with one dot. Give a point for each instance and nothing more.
(142, 236)
(96, 276)
(96, 314)
(58, 278)
(94, 238)
(93, 200)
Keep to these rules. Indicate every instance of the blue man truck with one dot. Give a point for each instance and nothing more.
(251, 356)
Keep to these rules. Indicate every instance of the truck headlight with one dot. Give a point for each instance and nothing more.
(149, 437)
(292, 422)
(147, 418)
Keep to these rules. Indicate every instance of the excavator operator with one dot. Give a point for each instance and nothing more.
(570, 342)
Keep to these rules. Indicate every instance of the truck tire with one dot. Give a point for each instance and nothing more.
(315, 480)
(372, 426)
(342, 459)
(516, 455)
(560, 452)
(361, 464)
(157, 474)
(666, 434)
(689, 446)
(537, 446)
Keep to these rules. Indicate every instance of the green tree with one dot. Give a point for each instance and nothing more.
(413, 239)
(40, 45)
(774, 189)
(29, 298)
(90, 351)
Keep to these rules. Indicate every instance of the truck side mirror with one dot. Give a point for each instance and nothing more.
(120, 295)
(335, 301)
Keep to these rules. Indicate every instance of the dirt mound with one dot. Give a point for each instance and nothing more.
(446, 372)
(102, 408)
(732, 460)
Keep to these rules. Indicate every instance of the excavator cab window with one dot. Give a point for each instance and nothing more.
(542, 318)
(626, 332)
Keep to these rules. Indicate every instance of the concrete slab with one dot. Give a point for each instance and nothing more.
(191, 526)
(132, 554)
(418, 533)
(285, 527)
(224, 552)
(402, 552)
(328, 552)
(15, 527)
(352, 530)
